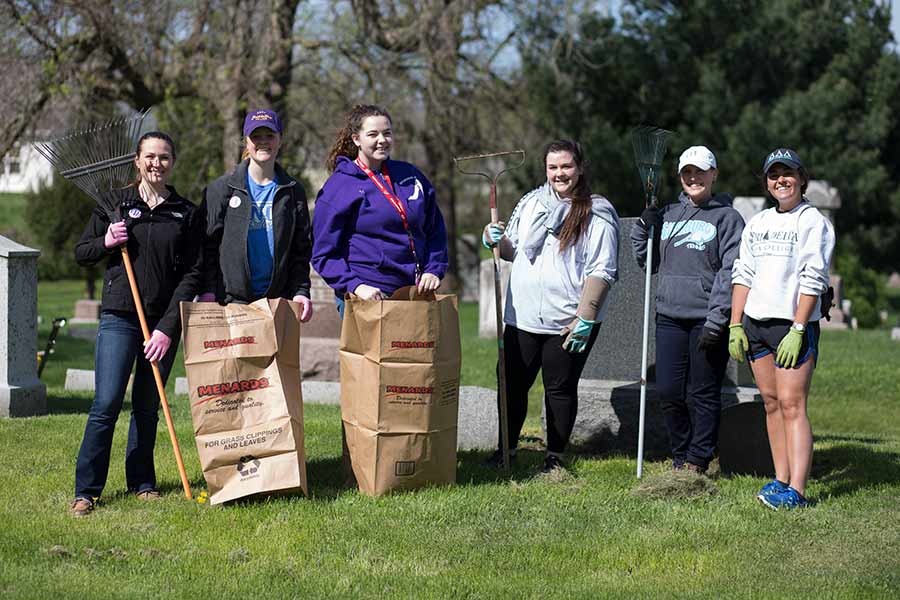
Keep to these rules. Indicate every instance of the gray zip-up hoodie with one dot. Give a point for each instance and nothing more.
(694, 257)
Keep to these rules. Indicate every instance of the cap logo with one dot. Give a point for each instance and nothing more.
(782, 154)
(262, 117)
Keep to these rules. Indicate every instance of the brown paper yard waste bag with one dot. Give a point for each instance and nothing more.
(400, 364)
(243, 371)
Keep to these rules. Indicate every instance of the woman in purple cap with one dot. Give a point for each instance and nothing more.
(377, 226)
(696, 241)
(257, 225)
(778, 279)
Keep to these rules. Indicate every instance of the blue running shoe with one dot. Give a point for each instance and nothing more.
(789, 499)
(773, 487)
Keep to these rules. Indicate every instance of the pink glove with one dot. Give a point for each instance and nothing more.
(116, 235)
(157, 346)
(306, 308)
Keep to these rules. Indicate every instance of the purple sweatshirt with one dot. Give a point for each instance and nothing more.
(358, 236)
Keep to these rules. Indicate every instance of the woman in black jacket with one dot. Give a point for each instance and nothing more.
(163, 236)
(257, 226)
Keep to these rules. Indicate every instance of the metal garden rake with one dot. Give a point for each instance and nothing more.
(649, 149)
(492, 177)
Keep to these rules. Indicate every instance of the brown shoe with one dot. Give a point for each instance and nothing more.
(695, 468)
(81, 507)
(148, 495)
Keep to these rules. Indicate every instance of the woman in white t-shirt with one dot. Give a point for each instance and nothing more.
(777, 282)
(562, 241)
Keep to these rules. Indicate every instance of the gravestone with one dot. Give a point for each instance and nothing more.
(21, 392)
(616, 355)
(827, 200)
(79, 380)
(743, 439)
(478, 424)
(609, 393)
(748, 206)
(824, 197)
(321, 392)
(319, 337)
(86, 311)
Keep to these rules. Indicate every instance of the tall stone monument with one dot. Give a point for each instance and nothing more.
(21, 392)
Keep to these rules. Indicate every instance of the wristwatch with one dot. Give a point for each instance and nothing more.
(800, 327)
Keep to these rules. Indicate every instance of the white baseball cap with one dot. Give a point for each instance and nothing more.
(699, 156)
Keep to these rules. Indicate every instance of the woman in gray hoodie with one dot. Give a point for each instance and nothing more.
(696, 241)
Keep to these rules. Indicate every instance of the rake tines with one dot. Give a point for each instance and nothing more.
(98, 159)
(649, 148)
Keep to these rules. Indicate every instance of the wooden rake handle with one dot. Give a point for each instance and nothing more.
(156, 374)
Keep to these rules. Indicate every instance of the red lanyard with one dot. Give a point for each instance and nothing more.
(396, 203)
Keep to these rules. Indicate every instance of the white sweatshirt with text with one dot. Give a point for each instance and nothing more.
(783, 255)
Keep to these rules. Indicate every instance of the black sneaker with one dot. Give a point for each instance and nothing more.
(551, 463)
(495, 460)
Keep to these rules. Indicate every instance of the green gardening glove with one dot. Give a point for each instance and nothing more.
(579, 331)
(789, 349)
(737, 342)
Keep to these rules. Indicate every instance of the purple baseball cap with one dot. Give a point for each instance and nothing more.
(261, 118)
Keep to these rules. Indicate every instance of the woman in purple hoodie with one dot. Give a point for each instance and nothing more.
(377, 226)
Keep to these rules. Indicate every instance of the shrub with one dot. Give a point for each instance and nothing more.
(863, 287)
(56, 215)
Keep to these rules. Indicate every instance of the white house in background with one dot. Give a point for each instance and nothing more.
(23, 169)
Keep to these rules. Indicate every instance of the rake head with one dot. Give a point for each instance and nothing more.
(490, 160)
(649, 149)
(99, 159)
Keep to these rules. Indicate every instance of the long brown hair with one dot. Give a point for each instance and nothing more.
(157, 135)
(343, 145)
(576, 222)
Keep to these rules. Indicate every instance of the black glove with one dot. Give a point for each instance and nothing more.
(827, 301)
(710, 339)
(651, 218)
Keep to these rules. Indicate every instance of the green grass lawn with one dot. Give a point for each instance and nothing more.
(581, 536)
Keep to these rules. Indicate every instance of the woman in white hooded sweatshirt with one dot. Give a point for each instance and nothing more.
(777, 282)
(562, 241)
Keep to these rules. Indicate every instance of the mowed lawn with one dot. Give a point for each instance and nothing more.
(579, 536)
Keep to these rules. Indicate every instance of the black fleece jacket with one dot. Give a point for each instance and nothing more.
(226, 268)
(164, 245)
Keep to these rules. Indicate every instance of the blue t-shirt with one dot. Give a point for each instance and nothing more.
(260, 235)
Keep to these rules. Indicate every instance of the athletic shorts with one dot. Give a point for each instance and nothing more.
(764, 337)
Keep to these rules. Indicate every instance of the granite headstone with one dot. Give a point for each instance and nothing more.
(21, 392)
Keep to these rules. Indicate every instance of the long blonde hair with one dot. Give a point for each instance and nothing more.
(343, 145)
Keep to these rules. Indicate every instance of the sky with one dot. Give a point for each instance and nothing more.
(895, 19)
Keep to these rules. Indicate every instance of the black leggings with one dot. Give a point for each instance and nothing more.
(526, 354)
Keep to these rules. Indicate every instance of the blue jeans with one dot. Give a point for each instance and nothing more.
(119, 347)
(689, 383)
